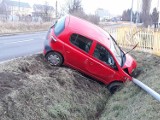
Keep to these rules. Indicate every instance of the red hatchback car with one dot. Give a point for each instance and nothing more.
(89, 49)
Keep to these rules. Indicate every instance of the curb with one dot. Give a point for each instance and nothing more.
(19, 57)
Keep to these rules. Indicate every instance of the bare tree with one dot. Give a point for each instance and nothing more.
(146, 19)
(44, 11)
(126, 15)
(155, 17)
(47, 11)
(46, 8)
(74, 7)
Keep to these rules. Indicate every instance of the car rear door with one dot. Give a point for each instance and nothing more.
(77, 50)
(101, 65)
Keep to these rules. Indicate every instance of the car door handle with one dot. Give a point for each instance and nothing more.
(68, 51)
(86, 61)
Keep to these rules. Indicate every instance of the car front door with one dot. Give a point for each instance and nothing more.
(101, 65)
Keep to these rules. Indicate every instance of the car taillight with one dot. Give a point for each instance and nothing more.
(53, 38)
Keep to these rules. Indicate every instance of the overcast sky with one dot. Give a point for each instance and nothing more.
(114, 7)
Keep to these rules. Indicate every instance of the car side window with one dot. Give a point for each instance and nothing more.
(81, 42)
(103, 54)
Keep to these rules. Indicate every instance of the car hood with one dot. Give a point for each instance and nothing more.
(130, 63)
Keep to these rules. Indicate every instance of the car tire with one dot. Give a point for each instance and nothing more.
(115, 86)
(54, 58)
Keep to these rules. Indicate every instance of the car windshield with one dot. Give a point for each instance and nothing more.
(116, 51)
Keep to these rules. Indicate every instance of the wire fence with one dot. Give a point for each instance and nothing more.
(148, 40)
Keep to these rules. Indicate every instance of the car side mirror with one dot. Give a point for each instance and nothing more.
(112, 63)
(114, 67)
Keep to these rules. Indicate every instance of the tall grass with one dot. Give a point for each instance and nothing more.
(14, 27)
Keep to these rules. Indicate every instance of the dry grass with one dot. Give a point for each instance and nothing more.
(16, 27)
(42, 92)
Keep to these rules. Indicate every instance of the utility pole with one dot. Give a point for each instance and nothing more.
(131, 11)
(158, 13)
(19, 5)
(56, 9)
(137, 15)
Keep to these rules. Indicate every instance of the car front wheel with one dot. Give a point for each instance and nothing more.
(54, 58)
(114, 86)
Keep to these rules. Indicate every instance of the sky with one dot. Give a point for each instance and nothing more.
(114, 7)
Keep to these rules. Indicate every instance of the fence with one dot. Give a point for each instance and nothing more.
(148, 39)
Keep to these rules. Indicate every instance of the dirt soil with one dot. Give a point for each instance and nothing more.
(31, 89)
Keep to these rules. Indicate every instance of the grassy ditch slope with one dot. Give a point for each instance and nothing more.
(30, 89)
(132, 103)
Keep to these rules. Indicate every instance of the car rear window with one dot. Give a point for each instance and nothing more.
(59, 26)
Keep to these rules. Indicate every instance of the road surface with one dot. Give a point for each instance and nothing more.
(21, 45)
(26, 44)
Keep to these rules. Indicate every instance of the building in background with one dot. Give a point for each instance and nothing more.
(103, 14)
(44, 12)
(19, 8)
(14, 10)
(11, 10)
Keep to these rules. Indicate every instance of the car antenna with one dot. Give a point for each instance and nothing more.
(132, 49)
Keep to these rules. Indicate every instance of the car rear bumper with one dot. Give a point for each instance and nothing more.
(47, 47)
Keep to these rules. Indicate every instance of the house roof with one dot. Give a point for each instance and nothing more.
(18, 4)
(40, 7)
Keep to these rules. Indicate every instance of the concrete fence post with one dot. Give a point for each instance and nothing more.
(147, 89)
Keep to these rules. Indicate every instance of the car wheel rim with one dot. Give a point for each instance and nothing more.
(54, 59)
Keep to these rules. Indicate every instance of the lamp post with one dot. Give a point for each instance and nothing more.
(131, 11)
(19, 5)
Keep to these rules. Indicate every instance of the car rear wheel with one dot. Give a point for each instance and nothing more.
(115, 86)
(54, 58)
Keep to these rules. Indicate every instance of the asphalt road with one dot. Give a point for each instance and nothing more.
(14, 46)
(21, 45)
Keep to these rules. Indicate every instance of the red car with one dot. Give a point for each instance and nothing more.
(89, 49)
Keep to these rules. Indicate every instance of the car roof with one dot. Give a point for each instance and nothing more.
(88, 30)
